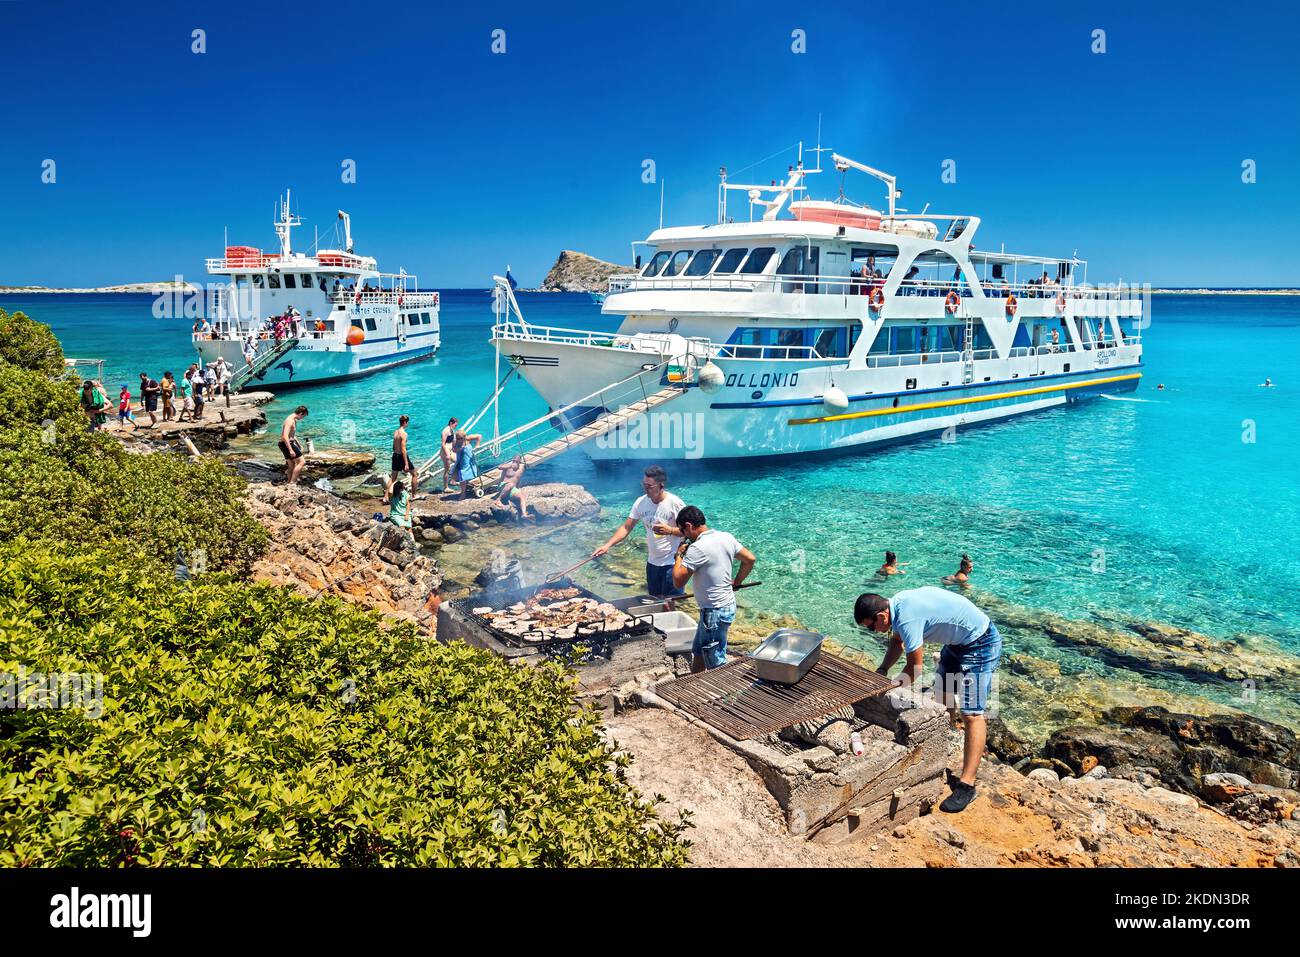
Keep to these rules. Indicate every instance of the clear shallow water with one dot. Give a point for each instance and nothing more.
(1197, 527)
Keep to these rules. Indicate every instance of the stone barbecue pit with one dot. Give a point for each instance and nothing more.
(829, 793)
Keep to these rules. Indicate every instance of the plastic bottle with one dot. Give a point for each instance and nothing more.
(855, 744)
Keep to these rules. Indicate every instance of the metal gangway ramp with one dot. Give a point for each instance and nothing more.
(261, 363)
(546, 437)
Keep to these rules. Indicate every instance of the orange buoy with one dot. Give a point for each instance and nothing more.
(356, 336)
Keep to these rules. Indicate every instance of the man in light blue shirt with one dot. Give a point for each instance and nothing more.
(972, 649)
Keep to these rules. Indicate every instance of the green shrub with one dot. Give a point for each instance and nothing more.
(29, 344)
(59, 483)
(243, 725)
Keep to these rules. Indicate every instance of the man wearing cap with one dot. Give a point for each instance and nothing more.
(971, 651)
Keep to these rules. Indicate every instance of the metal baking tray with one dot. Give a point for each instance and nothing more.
(786, 655)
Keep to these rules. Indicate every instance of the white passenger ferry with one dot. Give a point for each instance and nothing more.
(345, 318)
(838, 326)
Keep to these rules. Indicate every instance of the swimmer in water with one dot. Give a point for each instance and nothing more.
(962, 575)
(891, 566)
(1266, 384)
(1160, 387)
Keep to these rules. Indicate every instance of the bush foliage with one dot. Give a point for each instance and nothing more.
(244, 725)
(241, 724)
(59, 483)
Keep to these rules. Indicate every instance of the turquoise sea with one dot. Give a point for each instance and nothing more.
(1179, 506)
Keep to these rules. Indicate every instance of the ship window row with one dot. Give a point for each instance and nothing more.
(909, 340)
(286, 280)
(689, 262)
(758, 342)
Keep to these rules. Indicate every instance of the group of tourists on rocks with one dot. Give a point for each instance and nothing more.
(180, 399)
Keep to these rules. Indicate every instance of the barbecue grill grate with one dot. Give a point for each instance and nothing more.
(597, 637)
(736, 702)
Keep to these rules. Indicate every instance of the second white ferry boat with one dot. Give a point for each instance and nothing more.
(839, 326)
(288, 319)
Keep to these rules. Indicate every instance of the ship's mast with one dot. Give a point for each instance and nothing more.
(285, 223)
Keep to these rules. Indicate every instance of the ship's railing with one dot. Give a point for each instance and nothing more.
(264, 329)
(326, 261)
(519, 332)
(386, 297)
(780, 353)
(249, 261)
(861, 286)
(924, 358)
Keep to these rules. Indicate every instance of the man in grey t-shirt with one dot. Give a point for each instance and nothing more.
(709, 555)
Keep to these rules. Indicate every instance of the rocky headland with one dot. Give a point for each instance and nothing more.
(578, 272)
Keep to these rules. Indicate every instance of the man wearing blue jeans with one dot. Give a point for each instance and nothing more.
(709, 555)
(972, 649)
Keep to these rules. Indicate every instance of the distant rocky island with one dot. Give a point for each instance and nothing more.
(153, 288)
(578, 272)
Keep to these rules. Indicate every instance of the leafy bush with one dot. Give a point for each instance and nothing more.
(29, 345)
(243, 725)
(60, 483)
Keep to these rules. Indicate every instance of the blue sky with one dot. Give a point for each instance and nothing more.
(467, 160)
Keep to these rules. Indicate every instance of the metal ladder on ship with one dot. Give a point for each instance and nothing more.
(968, 348)
(519, 442)
(261, 363)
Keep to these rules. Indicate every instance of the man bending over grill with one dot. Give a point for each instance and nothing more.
(709, 555)
(972, 649)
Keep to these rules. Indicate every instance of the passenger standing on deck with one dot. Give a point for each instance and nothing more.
(963, 681)
(401, 456)
(150, 390)
(445, 441)
(709, 555)
(292, 451)
(657, 510)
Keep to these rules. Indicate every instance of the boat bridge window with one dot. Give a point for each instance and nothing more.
(802, 261)
(259, 281)
(677, 263)
(702, 262)
(757, 260)
(756, 342)
(272, 281)
(656, 264)
(320, 281)
(289, 281)
(305, 280)
(730, 261)
(370, 323)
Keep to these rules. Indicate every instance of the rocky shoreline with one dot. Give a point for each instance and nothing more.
(1204, 787)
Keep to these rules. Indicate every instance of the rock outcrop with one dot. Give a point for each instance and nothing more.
(578, 272)
(1248, 766)
(321, 545)
(321, 464)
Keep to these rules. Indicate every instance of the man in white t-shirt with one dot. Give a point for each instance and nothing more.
(657, 509)
(709, 556)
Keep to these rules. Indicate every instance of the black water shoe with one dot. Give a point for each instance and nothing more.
(962, 794)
